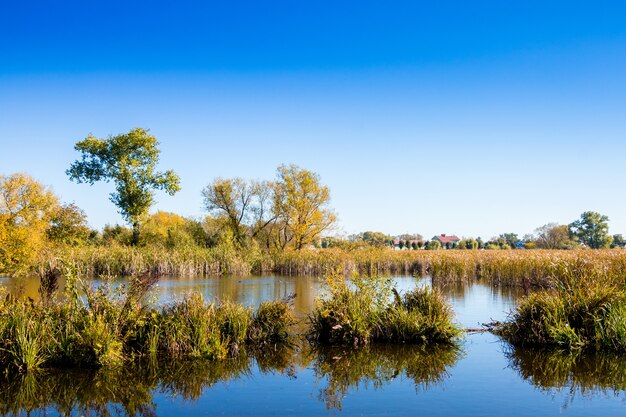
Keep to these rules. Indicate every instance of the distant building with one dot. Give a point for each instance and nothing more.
(447, 241)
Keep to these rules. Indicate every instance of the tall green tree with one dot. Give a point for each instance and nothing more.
(129, 160)
(592, 229)
(301, 205)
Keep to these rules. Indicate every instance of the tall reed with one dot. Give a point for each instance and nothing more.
(519, 268)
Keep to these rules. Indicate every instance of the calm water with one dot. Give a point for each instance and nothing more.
(483, 377)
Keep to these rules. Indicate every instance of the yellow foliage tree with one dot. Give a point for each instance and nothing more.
(26, 208)
(301, 206)
(172, 230)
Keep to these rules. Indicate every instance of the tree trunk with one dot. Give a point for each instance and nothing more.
(135, 240)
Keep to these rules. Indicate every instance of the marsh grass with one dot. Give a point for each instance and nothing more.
(111, 326)
(585, 311)
(118, 260)
(515, 268)
(362, 310)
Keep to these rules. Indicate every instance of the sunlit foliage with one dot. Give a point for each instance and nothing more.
(26, 209)
(68, 225)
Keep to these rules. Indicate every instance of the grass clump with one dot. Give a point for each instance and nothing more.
(363, 311)
(271, 322)
(582, 313)
(420, 316)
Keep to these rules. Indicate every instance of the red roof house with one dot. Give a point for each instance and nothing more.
(444, 239)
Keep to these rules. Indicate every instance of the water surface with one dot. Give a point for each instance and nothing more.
(482, 377)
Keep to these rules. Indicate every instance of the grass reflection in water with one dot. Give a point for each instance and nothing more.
(576, 373)
(343, 369)
(131, 390)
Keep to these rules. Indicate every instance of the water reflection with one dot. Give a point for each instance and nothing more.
(575, 373)
(130, 391)
(343, 370)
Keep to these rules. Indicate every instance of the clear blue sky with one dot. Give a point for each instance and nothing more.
(474, 118)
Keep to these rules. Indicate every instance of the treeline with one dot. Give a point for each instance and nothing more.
(590, 231)
(249, 224)
(244, 217)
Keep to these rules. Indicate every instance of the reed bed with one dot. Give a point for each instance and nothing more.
(363, 311)
(156, 261)
(515, 268)
(525, 268)
(105, 328)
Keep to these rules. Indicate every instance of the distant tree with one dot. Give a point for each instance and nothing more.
(333, 242)
(116, 233)
(245, 206)
(171, 230)
(433, 245)
(618, 241)
(414, 245)
(409, 236)
(481, 244)
(554, 236)
(508, 239)
(26, 208)
(471, 244)
(129, 160)
(377, 239)
(68, 225)
(301, 205)
(592, 229)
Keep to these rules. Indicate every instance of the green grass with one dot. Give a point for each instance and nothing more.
(102, 327)
(586, 311)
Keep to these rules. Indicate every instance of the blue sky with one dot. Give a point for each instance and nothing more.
(474, 118)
